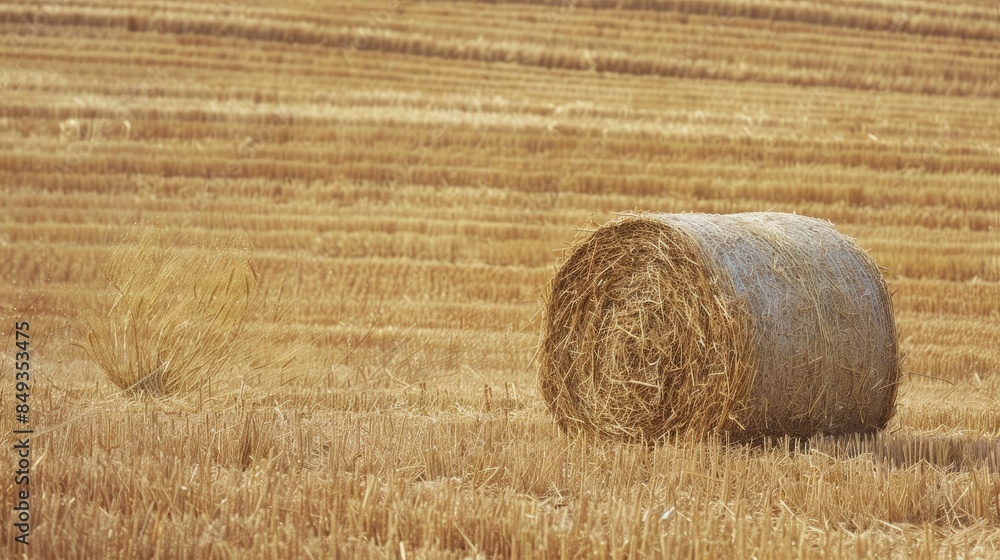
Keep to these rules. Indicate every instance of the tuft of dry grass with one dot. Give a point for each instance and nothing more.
(177, 317)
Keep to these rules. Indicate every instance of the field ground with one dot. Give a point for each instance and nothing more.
(406, 172)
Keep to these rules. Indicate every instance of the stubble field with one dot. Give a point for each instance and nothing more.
(406, 172)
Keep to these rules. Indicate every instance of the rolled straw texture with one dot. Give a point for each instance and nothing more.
(756, 324)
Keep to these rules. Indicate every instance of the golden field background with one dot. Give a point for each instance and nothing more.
(406, 172)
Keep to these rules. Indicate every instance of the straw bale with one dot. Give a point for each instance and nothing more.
(753, 324)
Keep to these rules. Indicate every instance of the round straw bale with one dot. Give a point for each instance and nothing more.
(755, 324)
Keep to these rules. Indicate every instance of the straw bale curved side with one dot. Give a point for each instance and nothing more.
(752, 324)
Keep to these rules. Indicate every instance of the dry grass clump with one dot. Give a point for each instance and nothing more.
(179, 315)
(754, 324)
